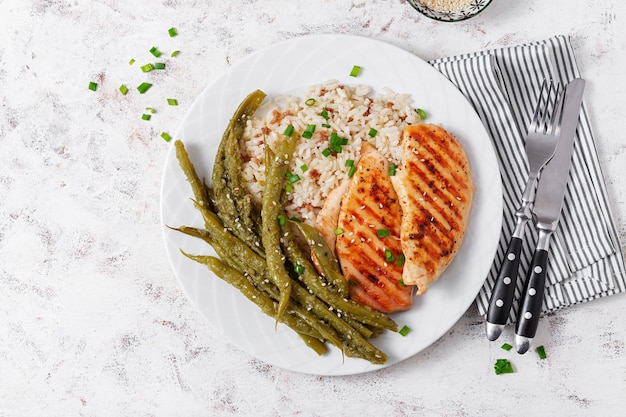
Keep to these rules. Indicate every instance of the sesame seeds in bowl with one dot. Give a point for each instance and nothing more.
(449, 10)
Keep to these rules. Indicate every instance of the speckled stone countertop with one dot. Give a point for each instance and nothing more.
(92, 319)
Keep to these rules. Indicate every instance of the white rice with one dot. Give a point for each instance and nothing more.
(353, 111)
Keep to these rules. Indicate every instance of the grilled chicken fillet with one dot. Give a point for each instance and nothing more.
(369, 245)
(435, 190)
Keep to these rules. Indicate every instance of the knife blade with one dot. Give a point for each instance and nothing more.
(547, 212)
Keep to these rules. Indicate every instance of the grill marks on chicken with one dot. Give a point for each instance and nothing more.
(435, 190)
(370, 209)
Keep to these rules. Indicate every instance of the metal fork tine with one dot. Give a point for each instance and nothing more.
(557, 112)
(534, 124)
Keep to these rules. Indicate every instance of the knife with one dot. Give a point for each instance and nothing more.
(547, 212)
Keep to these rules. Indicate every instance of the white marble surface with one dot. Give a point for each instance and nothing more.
(92, 320)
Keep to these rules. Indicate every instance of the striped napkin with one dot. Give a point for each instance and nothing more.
(585, 260)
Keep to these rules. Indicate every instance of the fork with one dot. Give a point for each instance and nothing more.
(540, 146)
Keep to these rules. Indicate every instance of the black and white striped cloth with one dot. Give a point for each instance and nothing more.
(585, 261)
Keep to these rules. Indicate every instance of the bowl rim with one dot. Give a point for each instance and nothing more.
(415, 3)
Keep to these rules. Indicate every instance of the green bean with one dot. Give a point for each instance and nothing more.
(312, 281)
(271, 210)
(329, 266)
(200, 192)
(234, 203)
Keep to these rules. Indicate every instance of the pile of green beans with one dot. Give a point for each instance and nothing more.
(261, 257)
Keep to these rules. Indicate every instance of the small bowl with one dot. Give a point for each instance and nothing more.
(471, 10)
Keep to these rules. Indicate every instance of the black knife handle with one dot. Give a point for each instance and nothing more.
(504, 289)
(532, 296)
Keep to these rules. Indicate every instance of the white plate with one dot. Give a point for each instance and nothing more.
(296, 64)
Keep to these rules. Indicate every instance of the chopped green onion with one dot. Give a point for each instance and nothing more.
(389, 256)
(281, 219)
(392, 170)
(159, 65)
(503, 366)
(326, 152)
(146, 116)
(401, 282)
(310, 128)
(349, 162)
(338, 231)
(292, 177)
(327, 126)
(304, 167)
(154, 51)
(289, 188)
(151, 110)
(506, 346)
(404, 330)
(541, 351)
(400, 262)
(421, 113)
(132, 61)
(172, 102)
(353, 283)
(166, 137)
(123, 89)
(143, 87)
(147, 67)
(289, 130)
(325, 115)
(295, 219)
(93, 86)
(307, 135)
(175, 53)
(299, 269)
(355, 71)
(372, 132)
(310, 101)
(382, 232)
(352, 171)
(172, 32)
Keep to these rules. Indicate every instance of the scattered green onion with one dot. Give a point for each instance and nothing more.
(295, 219)
(304, 167)
(147, 67)
(143, 87)
(400, 262)
(123, 89)
(307, 135)
(353, 282)
(404, 330)
(355, 71)
(93, 86)
(541, 351)
(401, 283)
(503, 366)
(166, 137)
(175, 53)
(325, 115)
(159, 65)
(382, 232)
(281, 219)
(151, 110)
(289, 130)
(326, 152)
(172, 102)
(506, 346)
(392, 170)
(132, 61)
(389, 256)
(289, 188)
(372, 132)
(349, 162)
(327, 126)
(338, 231)
(310, 101)
(292, 177)
(299, 269)
(421, 113)
(154, 51)
(146, 116)
(172, 32)
(352, 171)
